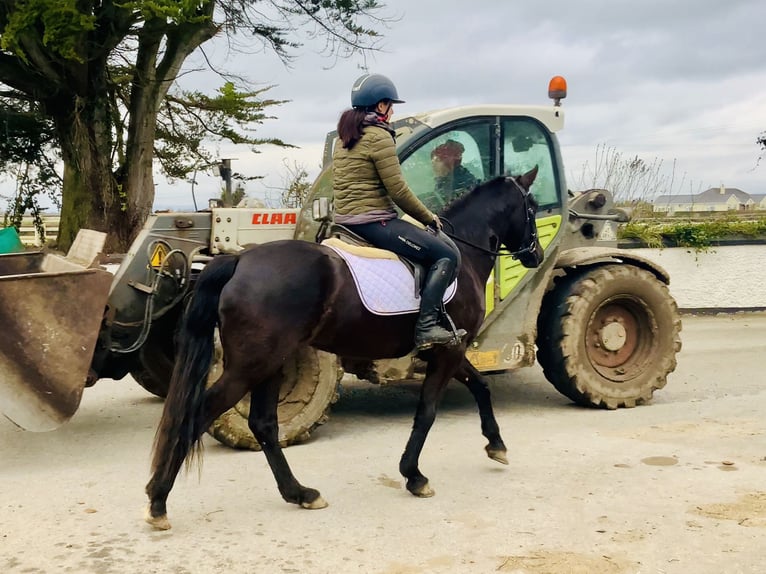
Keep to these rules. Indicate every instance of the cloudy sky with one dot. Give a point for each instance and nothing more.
(682, 82)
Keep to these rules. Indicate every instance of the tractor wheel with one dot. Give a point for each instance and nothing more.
(156, 356)
(608, 337)
(309, 387)
(149, 382)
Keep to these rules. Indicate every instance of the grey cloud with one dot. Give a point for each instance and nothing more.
(679, 80)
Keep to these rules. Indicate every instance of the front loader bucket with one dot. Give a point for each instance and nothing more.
(51, 309)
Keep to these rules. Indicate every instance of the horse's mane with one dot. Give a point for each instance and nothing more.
(482, 190)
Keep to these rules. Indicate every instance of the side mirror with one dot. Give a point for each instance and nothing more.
(320, 209)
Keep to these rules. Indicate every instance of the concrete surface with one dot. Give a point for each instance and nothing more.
(674, 487)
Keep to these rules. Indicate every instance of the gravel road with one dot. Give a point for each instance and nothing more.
(678, 486)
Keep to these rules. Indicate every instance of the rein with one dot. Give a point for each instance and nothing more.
(514, 254)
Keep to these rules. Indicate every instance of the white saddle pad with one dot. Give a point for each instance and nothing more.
(386, 286)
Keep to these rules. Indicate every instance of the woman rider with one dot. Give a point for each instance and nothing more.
(368, 184)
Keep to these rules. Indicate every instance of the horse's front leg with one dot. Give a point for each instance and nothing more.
(441, 366)
(468, 375)
(264, 424)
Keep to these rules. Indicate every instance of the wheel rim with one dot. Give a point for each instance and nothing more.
(620, 338)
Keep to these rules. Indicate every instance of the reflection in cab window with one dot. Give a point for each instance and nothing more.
(446, 167)
(525, 144)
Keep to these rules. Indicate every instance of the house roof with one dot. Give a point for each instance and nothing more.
(709, 196)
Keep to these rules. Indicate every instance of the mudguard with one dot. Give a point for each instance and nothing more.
(584, 256)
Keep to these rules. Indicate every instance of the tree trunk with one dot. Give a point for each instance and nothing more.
(118, 202)
(94, 197)
(89, 194)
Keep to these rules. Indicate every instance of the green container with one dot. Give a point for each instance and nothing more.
(9, 241)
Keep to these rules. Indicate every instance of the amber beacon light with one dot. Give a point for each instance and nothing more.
(557, 89)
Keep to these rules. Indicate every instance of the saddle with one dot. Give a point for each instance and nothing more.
(387, 284)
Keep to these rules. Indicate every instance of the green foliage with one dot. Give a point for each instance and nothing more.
(31, 185)
(58, 24)
(28, 155)
(104, 74)
(188, 119)
(699, 235)
(171, 11)
(25, 134)
(237, 194)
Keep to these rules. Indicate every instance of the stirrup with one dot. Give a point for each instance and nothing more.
(446, 339)
(457, 335)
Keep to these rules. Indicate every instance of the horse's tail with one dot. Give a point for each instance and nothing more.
(179, 431)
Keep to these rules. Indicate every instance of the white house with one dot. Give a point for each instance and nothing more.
(760, 200)
(714, 199)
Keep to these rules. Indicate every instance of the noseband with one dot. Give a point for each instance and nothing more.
(530, 214)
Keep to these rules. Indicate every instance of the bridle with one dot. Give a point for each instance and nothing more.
(530, 214)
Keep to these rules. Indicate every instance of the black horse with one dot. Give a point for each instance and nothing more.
(274, 299)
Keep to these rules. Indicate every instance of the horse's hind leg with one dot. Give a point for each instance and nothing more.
(472, 379)
(219, 398)
(265, 426)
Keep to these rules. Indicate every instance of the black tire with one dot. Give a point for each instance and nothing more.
(309, 388)
(154, 365)
(608, 337)
(147, 376)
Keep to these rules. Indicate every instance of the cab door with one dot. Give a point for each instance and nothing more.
(525, 143)
(450, 161)
(490, 147)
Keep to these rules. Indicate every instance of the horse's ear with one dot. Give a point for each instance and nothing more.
(528, 178)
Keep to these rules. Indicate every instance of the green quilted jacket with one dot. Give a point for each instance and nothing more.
(368, 177)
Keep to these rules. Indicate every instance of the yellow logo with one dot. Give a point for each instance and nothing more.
(158, 255)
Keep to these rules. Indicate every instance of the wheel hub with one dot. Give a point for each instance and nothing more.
(613, 336)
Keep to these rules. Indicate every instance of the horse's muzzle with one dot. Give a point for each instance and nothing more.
(532, 258)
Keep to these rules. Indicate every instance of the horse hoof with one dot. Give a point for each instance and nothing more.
(157, 522)
(498, 455)
(424, 491)
(315, 504)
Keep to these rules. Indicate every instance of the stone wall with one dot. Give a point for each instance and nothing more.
(726, 277)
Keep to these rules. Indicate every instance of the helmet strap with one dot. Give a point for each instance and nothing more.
(386, 108)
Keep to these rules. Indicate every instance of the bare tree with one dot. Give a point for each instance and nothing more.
(630, 178)
(296, 185)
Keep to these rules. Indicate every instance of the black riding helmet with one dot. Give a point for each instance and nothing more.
(370, 89)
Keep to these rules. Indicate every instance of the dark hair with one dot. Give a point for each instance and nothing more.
(450, 152)
(350, 128)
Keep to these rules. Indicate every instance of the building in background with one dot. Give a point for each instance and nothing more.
(714, 199)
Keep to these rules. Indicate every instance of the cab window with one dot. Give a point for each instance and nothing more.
(526, 144)
(448, 165)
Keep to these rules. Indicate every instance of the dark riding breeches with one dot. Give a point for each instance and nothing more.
(407, 240)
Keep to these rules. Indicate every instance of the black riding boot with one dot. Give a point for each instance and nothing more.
(428, 331)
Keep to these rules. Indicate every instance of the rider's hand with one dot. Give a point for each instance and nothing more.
(437, 223)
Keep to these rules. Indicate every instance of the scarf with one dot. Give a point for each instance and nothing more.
(375, 119)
